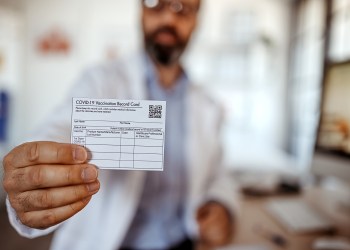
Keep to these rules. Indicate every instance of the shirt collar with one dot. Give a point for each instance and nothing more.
(156, 90)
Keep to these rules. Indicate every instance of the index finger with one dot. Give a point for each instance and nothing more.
(35, 153)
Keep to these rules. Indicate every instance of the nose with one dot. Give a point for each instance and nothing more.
(169, 17)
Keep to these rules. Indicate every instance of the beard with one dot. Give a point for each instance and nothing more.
(164, 54)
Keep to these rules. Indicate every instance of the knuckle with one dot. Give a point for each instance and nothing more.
(7, 161)
(45, 200)
(32, 151)
(24, 218)
(8, 184)
(69, 175)
(59, 152)
(48, 219)
(14, 203)
(36, 176)
(77, 195)
(66, 150)
(12, 180)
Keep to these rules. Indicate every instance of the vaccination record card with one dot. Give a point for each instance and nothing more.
(120, 134)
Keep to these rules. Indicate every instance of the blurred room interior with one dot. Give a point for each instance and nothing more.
(280, 68)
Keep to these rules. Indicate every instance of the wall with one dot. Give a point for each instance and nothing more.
(11, 77)
(11, 28)
(249, 77)
(91, 25)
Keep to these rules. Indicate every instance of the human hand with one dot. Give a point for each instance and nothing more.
(48, 182)
(215, 225)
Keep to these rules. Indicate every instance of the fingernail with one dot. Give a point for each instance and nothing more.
(89, 174)
(79, 154)
(93, 187)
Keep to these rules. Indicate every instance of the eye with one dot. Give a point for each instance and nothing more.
(177, 7)
(186, 11)
(151, 3)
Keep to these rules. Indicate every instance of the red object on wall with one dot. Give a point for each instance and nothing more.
(54, 42)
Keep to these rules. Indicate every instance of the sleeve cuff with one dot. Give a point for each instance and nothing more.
(225, 194)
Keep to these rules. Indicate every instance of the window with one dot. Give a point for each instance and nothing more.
(306, 77)
(318, 43)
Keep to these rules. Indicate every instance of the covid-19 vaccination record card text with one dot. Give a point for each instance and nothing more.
(120, 134)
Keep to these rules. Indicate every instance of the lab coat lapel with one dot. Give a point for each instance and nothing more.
(136, 73)
(199, 149)
(194, 143)
(193, 156)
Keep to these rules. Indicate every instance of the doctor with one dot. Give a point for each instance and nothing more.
(50, 184)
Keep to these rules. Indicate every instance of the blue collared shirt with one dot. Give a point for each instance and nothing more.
(159, 222)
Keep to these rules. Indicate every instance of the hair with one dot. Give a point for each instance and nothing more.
(199, 3)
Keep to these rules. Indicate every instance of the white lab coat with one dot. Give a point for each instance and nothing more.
(103, 223)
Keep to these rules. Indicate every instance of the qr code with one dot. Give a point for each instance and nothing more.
(155, 111)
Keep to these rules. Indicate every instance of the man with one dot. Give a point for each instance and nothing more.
(50, 184)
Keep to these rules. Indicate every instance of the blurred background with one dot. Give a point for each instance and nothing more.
(266, 61)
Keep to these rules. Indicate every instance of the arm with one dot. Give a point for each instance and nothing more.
(216, 215)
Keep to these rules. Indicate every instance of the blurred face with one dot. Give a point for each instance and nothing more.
(167, 27)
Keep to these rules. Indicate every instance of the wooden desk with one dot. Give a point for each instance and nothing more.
(254, 213)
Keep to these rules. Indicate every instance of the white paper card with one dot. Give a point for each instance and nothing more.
(120, 134)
